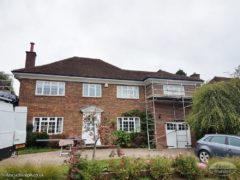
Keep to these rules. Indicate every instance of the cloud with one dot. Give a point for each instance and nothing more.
(196, 36)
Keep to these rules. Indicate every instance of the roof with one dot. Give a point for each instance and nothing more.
(219, 79)
(96, 68)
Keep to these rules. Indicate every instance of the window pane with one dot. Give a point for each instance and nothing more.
(85, 89)
(51, 126)
(54, 88)
(46, 88)
(137, 124)
(36, 125)
(59, 125)
(61, 88)
(234, 141)
(92, 90)
(39, 87)
(218, 139)
(98, 90)
(131, 92)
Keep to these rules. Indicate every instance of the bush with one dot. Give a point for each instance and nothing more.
(160, 168)
(228, 163)
(56, 136)
(30, 171)
(33, 136)
(87, 170)
(186, 166)
(138, 139)
(122, 138)
(127, 168)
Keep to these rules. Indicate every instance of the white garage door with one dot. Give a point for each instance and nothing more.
(178, 135)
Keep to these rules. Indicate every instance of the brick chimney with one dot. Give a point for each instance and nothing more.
(30, 57)
(195, 76)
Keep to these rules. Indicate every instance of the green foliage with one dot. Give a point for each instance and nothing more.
(181, 72)
(227, 163)
(31, 171)
(216, 109)
(55, 144)
(127, 168)
(32, 150)
(122, 138)
(160, 168)
(186, 166)
(236, 74)
(88, 170)
(6, 81)
(138, 139)
(33, 136)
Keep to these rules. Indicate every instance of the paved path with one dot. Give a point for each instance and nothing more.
(54, 158)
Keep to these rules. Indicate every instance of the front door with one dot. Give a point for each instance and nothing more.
(90, 127)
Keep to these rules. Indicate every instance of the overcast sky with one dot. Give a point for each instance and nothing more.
(199, 36)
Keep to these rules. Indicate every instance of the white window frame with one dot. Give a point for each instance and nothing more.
(128, 92)
(120, 126)
(173, 90)
(42, 85)
(88, 86)
(47, 120)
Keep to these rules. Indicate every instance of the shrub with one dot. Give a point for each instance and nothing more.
(160, 168)
(87, 170)
(186, 166)
(122, 138)
(56, 136)
(233, 161)
(127, 168)
(33, 136)
(30, 171)
(138, 139)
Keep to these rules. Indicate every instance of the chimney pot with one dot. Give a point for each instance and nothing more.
(32, 47)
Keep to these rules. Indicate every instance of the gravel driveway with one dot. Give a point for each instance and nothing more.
(54, 158)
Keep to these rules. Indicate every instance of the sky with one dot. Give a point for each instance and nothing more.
(199, 36)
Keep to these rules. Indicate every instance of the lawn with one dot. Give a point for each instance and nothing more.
(32, 150)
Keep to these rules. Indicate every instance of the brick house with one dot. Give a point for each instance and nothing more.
(61, 95)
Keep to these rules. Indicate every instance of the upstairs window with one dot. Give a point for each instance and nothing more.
(50, 88)
(173, 90)
(92, 90)
(50, 125)
(128, 92)
(128, 124)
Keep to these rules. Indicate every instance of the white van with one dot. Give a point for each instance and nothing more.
(13, 122)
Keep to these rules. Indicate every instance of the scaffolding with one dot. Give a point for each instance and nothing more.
(156, 93)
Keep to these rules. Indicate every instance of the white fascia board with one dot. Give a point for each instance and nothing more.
(171, 81)
(76, 79)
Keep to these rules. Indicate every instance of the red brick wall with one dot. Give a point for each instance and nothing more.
(166, 112)
(69, 106)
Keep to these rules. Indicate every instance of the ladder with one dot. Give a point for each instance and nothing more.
(150, 119)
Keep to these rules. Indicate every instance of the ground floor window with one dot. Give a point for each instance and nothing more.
(50, 125)
(128, 124)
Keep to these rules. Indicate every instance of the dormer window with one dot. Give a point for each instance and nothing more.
(50, 88)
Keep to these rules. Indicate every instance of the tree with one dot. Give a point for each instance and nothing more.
(181, 72)
(100, 131)
(216, 109)
(6, 82)
(236, 74)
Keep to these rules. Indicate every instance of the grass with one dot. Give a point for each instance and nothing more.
(31, 171)
(33, 150)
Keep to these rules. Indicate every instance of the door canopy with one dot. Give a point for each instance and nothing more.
(91, 109)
